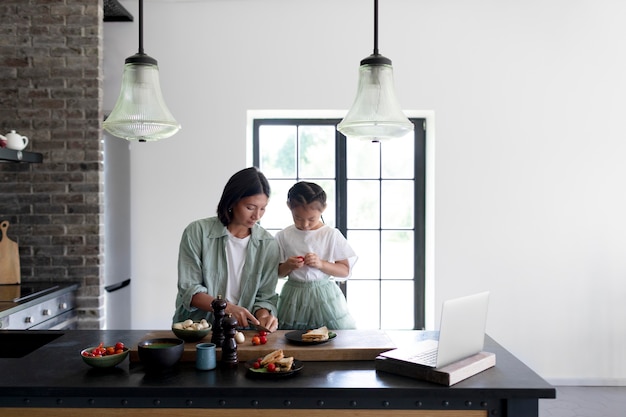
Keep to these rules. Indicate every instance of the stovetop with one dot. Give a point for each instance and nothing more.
(16, 293)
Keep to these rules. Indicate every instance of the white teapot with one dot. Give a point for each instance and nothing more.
(15, 141)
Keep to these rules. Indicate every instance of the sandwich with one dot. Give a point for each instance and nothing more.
(272, 357)
(285, 364)
(274, 362)
(316, 335)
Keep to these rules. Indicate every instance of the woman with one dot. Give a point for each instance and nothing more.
(232, 256)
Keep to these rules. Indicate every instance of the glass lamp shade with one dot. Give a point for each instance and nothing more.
(376, 113)
(140, 112)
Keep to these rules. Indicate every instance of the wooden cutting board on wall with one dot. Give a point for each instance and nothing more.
(9, 258)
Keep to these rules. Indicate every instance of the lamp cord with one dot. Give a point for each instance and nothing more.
(141, 27)
(375, 27)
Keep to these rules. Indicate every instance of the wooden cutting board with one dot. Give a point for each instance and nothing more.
(348, 345)
(9, 258)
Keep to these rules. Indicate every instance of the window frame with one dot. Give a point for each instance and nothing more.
(419, 179)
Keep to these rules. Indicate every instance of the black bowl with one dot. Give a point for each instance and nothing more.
(161, 353)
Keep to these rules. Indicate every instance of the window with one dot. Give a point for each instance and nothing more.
(376, 198)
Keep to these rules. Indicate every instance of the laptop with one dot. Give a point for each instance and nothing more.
(461, 334)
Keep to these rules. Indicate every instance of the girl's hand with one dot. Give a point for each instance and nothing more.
(312, 260)
(295, 262)
(290, 264)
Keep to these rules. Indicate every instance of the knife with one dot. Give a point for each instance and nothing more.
(259, 327)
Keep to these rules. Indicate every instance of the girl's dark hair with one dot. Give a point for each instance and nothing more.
(245, 183)
(303, 193)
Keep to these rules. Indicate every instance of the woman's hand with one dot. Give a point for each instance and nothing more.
(241, 314)
(267, 320)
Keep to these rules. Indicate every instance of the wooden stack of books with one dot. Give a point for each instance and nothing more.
(446, 375)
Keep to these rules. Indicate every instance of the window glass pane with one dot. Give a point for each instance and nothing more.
(363, 205)
(363, 159)
(366, 314)
(397, 204)
(280, 284)
(396, 305)
(277, 150)
(398, 157)
(317, 151)
(397, 254)
(277, 215)
(366, 244)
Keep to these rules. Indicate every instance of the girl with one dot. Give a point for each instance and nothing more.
(310, 253)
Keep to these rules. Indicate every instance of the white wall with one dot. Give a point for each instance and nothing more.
(530, 144)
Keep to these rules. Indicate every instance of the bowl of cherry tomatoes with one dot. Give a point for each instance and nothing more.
(102, 356)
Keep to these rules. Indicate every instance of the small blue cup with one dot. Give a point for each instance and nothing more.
(205, 356)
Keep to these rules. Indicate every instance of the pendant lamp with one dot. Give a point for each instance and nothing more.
(376, 113)
(140, 112)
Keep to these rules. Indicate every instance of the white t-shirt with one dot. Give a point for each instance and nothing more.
(327, 242)
(235, 258)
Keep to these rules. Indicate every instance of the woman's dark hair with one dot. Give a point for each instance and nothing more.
(245, 183)
(303, 193)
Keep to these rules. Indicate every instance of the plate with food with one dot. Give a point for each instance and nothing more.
(311, 337)
(273, 365)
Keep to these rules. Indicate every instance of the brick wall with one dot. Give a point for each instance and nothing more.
(51, 92)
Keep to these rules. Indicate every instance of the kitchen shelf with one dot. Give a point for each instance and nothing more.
(11, 155)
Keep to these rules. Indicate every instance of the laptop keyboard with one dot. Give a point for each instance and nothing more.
(428, 356)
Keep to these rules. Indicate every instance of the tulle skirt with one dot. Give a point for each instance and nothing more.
(309, 305)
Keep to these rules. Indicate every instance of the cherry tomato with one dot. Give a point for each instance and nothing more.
(262, 333)
(256, 340)
(256, 365)
(271, 367)
(99, 350)
(102, 350)
(263, 340)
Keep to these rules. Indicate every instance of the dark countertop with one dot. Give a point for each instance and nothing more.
(55, 375)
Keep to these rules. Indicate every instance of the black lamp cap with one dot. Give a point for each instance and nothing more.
(376, 59)
(141, 58)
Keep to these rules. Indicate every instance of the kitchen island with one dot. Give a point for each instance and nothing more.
(53, 381)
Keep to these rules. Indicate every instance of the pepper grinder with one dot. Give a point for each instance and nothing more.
(229, 347)
(219, 307)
